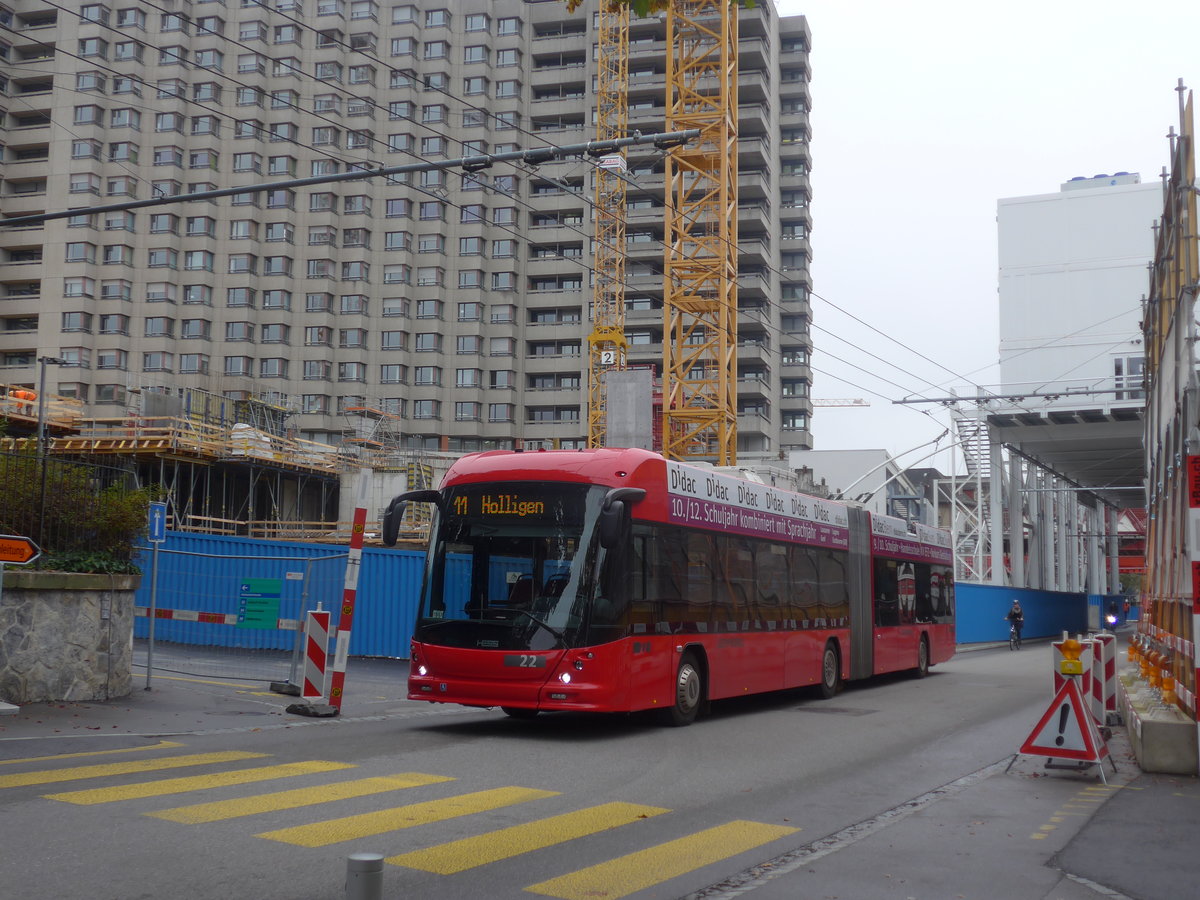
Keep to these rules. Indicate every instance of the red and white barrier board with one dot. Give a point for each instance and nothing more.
(316, 655)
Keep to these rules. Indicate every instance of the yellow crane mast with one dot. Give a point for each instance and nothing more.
(607, 345)
(700, 261)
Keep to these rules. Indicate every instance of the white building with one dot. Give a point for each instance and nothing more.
(1072, 275)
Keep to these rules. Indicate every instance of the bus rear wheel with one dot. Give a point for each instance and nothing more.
(831, 672)
(922, 668)
(689, 692)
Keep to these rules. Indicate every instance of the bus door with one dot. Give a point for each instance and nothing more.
(862, 634)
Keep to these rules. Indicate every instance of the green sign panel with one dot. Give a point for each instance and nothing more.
(258, 603)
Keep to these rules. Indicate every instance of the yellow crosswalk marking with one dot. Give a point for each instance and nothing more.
(333, 831)
(637, 871)
(51, 776)
(458, 856)
(250, 806)
(161, 745)
(143, 789)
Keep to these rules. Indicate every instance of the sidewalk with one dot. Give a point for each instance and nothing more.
(1028, 834)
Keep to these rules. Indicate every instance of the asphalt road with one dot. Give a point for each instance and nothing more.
(203, 789)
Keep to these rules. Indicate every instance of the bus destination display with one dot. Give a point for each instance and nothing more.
(516, 503)
(712, 500)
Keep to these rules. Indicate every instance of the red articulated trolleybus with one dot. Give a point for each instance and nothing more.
(616, 580)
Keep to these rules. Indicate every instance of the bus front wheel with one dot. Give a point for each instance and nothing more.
(689, 691)
(831, 672)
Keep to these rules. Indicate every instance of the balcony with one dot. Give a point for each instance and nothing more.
(755, 185)
(753, 152)
(753, 119)
(753, 52)
(754, 251)
(753, 285)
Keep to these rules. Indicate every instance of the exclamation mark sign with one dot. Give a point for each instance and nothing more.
(1062, 723)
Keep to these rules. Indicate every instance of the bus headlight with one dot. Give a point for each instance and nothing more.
(421, 670)
(565, 677)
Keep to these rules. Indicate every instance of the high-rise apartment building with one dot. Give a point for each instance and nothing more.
(456, 302)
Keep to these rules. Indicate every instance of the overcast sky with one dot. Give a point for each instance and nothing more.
(924, 115)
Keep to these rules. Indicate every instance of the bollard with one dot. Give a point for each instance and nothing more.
(364, 876)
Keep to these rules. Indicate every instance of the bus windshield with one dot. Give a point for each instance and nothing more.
(513, 567)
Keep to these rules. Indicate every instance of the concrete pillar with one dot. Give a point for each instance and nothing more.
(996, 509)
(1114, 551)
(1034, 576)
(1016, 520)
(1097, 581)
(1054, 537)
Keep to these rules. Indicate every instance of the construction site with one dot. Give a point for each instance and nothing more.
(232, 467)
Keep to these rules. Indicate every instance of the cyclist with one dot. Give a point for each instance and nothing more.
(1016, 616)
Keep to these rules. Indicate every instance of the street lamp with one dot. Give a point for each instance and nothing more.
(43, 361)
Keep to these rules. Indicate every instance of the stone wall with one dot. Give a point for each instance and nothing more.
(65, 636)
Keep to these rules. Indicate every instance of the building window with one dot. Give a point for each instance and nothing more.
(317, 370)
(352, 371)
(238, 365)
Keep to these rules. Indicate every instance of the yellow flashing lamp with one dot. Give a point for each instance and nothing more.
(1070, 665)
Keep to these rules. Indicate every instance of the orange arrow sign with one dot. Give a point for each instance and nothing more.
(17, 551)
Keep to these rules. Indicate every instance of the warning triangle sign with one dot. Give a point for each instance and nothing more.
(1066, 730)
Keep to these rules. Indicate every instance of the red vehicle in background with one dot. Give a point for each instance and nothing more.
(616, 580)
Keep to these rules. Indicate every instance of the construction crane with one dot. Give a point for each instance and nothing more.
(700, 228)
(607, 345)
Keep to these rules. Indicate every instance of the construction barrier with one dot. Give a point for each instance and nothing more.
(1104, 676)
(316, 654)
(1085, 680)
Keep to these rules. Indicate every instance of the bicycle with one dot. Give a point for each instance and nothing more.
(1014, 637)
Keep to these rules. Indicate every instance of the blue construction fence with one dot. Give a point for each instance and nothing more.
(220, 575)
(210, 574)
(981, 609)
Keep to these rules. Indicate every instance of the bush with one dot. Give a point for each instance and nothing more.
(89, 519)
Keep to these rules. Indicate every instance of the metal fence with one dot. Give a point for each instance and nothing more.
(59, 502)
(229, 607)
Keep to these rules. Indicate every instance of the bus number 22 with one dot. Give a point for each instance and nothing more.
(525, 661)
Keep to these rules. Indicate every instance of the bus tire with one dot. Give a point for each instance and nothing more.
(831, 671)
(519, 712)
(922, 668)
(689, 692)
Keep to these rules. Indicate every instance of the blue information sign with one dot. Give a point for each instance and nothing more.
(158, 522)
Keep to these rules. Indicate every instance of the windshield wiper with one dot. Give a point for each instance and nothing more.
(559, 637)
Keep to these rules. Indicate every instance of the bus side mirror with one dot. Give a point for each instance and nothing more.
(394, 514)
(614, 516)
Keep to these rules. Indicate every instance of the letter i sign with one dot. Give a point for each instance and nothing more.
(1066, 730)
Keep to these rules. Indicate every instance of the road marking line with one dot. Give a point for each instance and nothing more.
(468, 853)
(335, 831)
(161, 745)
(236, 684)
(249, 806)
(637, 871)
(1038, 837)
(93, 796)
(50, 776)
